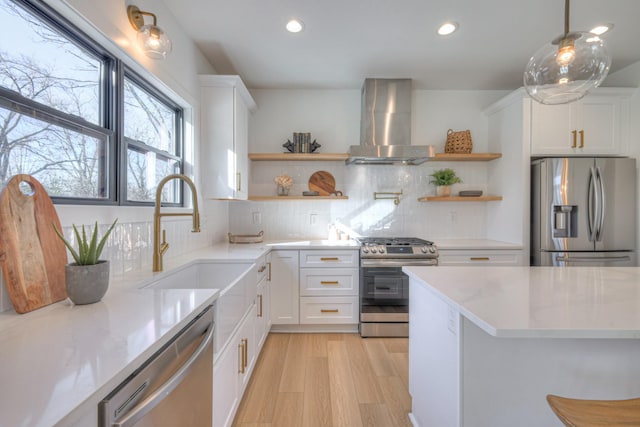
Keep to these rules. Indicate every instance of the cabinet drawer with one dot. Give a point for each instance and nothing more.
(329, 258)
(478, 258)
(318, 310)
(328, 281)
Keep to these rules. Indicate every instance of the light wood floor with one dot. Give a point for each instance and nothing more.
(305, 380)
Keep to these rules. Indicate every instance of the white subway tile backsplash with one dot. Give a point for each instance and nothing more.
(361, 214)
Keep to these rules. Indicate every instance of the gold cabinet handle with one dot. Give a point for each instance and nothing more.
(324, 310)
(260, 305)
(238, 181)
(261, 269)
(245, 345)
(329, 282)
(581, 138)
(269, 272)
(480, 258)
(241, 356)
(575, 138)
(335, 258)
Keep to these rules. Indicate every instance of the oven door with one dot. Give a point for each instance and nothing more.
(384, 286)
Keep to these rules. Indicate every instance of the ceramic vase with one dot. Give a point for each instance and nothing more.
(87, 284)
(443, 190)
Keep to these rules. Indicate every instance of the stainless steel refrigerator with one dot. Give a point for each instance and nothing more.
(583, 211)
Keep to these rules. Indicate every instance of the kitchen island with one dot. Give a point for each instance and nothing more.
(487, 344)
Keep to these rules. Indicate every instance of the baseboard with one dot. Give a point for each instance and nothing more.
(346, 329)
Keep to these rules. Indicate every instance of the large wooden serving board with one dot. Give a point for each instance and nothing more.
(33, 257)
(322, 182)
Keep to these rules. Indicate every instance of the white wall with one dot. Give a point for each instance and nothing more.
(333, 118)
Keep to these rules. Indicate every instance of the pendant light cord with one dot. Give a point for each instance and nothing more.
(566, 17)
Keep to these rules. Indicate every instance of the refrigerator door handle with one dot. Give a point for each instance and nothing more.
(592, 205)
(603, 204)
(562, 258)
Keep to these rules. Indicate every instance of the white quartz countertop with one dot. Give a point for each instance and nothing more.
(474, 244)
(61, 359)
(541, 302)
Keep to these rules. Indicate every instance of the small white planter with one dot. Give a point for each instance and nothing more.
(87, 284)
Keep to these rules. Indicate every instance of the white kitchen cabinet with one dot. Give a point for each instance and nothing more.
(590, 126)
(284, 287)
(224, 125)
(480, 257)
(232, 370)
(329, 286)
(263, 300)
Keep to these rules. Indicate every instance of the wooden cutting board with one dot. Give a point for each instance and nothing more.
(322, 182)
(33, 257)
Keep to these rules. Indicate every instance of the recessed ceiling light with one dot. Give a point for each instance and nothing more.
(601, 29)
(294, 26)
(447, 28)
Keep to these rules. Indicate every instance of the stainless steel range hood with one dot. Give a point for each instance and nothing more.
(385, 126)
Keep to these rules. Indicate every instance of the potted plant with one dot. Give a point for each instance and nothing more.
(444, 179)
(284, 183)
(87, 279)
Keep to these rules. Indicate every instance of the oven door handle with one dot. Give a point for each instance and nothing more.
(398, 263)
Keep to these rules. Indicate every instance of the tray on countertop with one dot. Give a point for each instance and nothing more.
(246, 238)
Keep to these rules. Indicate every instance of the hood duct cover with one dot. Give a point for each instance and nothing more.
(385, 126)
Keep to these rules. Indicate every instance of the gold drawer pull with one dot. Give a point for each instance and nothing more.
(574, 134)
(260, 305)
(327, 282)
(261, 269)
(335, 310)
(581, 138)
(480, 258)
(241, 357)
(335, 258)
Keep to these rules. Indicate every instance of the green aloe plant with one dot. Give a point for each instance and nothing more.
(89, 250)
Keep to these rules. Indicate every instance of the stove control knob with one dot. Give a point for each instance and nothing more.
(424, 249)
(365, 250)
(374, 250)
(381, 249)
(432, 249)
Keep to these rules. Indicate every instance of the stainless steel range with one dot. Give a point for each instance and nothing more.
(384, 287)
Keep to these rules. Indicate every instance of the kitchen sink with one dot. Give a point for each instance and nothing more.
(201, 275)
(235, 280)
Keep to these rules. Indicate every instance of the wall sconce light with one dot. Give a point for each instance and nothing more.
(153, 41)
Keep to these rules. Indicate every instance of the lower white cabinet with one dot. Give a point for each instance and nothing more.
(475, 257)
(328, 310)
(284, 288)
(236, 357)
(315, 287)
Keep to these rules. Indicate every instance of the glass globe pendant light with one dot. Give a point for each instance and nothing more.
(568, 67)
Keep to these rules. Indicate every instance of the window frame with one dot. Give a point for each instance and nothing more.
(124, 142)
(111, 113)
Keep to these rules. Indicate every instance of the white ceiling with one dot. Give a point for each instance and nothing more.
(345, 41)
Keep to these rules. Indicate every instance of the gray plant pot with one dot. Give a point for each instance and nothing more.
(87, 284)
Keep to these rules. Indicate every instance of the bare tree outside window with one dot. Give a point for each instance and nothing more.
(54, 113)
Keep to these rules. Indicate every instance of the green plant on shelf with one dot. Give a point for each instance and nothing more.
(444, 177)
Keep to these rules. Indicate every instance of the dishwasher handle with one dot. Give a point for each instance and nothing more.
(157, 396)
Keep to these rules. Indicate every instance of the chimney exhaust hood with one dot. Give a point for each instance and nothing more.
(385, 126)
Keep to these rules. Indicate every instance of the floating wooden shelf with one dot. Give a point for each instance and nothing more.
(298, 156)
(462, 157)
(263, 198)
(460, 199)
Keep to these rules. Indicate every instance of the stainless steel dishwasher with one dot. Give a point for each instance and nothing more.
(173, 388)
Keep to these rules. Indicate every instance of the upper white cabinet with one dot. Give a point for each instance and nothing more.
(224, 125)
(591, 126)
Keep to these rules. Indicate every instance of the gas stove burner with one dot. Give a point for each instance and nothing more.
(397, 248)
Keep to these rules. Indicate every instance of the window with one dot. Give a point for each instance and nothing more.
(59, 121)
(150, 133)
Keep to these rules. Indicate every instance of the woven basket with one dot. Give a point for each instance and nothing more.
(458, 142)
